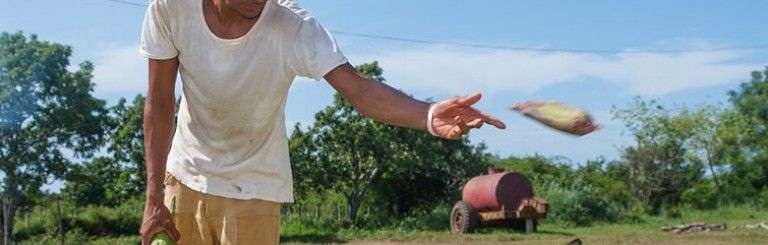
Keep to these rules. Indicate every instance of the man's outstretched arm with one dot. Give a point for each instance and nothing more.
(159, 108)
(452, 118)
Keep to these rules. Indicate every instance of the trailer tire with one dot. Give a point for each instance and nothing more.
(464, 218)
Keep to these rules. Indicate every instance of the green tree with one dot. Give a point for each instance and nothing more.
(126, 144)
(343, 150)
(116, 179)
(707, 140)
(581, 196)
(433, 171)
(91, 182)
(663, 162)
(608, 179)
(744, 132)
(360, 158)
(537, 166)
(46, 112)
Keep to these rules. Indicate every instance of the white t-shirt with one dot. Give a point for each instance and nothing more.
(230, 138)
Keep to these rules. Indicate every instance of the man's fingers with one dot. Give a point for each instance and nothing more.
(463, 128)
(470, 100)
(147, 237)
(172, 232)
(491, 120)
(487, 118)
(476, 123)
(455, 133)
(148, 230)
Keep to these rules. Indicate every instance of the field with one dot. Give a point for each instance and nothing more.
(604, 234)
(646, 230)
(601, 234)
(629, 230)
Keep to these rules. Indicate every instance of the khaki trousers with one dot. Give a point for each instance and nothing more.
(207, 219)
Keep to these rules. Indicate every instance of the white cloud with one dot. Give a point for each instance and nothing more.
(459, 71)
(120, 71)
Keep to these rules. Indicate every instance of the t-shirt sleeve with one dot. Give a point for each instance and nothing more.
(315, 51)
(156, 42)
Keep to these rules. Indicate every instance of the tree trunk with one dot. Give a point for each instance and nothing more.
(714, 176)
(353, 204)
(9, 212)
(710, 162)
(2, 223)
(62, 237)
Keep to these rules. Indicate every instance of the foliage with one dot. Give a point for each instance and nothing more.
(45, 111)
(703, 195)
(396, 169)
(576, 204)
(609, 180)
(663, 163)
(126, 144)
(537, 166)
(89, 183)
(343, 151)
(115, 179)
(433, 174)
(751, 100)
(576, 197)
(762, 200)
(90, 221)
(746, 150)
(742, 178)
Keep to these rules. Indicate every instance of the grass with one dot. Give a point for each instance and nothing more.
(638, 230)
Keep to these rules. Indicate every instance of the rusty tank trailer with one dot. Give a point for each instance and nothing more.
(498, 199)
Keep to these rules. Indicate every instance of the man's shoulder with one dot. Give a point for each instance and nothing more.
(171, 2)
(172, 7)
(291, 10)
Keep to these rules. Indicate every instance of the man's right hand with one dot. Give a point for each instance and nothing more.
(157, 219)
(159, 108)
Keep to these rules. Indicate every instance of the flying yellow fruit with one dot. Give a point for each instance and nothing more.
(558, 115)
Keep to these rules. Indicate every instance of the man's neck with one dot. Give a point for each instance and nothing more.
(226, 22)
(224, 14)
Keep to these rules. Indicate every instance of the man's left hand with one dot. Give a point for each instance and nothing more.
(454, 117)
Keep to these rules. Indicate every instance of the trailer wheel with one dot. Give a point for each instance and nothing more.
(464, 218)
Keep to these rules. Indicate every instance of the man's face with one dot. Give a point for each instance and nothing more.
(246, 8)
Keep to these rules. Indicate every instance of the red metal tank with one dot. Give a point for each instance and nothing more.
(497, 191)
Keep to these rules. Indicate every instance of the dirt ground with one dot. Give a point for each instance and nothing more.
(641, 236)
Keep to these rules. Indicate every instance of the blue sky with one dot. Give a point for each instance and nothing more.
(107, 34)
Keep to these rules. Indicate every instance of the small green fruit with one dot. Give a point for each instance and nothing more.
(162, 239)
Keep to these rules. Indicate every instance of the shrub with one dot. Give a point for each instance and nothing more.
(762, 199)
(702, 196)
(672, 212)
(577, 204)
(435, 219)
(89, 221)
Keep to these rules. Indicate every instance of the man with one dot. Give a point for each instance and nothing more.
(220, 178)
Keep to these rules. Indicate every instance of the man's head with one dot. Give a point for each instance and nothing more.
(246, 8)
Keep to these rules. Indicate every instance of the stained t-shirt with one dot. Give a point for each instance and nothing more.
(230, 137)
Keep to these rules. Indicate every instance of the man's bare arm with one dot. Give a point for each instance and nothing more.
(451, 118)
(378, 100)
(159, 108)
